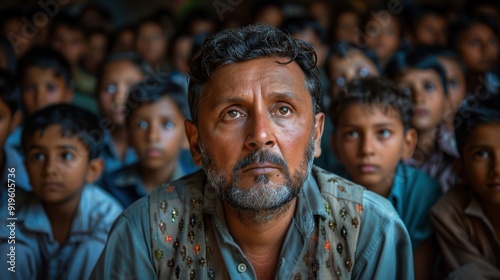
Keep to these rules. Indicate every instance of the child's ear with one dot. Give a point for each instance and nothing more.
(410, 142)
(318, 133)
(96, 166)
(17, 118)
(192, 138)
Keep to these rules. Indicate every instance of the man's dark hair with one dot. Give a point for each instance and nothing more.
(144, 93)
(243, 44)
(420, 59)
(8, 91)
(45, 58)
(373, 91)
(474, 112)
(74, 121)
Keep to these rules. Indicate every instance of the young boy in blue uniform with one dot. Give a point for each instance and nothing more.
(372, 135)
(62, 225)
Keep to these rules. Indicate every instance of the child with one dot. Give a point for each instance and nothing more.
(346, 19)
(9, 158)
(466, 218)
(62, 226)
(44, 79)
(427, 25)
(372, 135)
(155, 127)
(118, 73)
(476, 40)
(151, 43)
(421, 75)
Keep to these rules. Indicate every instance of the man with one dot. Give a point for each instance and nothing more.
(259, 209)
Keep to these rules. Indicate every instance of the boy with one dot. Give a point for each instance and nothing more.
(466, 218)
(62, 226)
(44, 79)
(9, 159)
(372, 135)
(155, 127)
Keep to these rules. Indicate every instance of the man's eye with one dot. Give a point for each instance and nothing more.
(429, 87)
(385, 133)
(111, 89)
(284, 111)
(142, 124)
(233, 114)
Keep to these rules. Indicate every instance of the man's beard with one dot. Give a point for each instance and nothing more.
(261, 202)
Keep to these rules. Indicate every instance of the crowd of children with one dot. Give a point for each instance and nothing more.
(92, 119)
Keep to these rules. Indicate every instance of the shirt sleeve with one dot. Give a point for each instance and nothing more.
(127, 253)
(384, 248)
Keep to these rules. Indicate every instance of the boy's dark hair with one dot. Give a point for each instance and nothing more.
(8, 91)
(473, 112)
(132, 57)
(373, 91)
(342, 49)
(302, 23)
(45, 58)
(74, 121)
(466, 21)
(418, 58)
(145, 93)
(71, 22)
(415, 13)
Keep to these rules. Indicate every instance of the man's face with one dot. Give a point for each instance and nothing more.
(257, 133)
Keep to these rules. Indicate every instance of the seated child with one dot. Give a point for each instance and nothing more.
(117, 75)
(11, 164)
(466, 218)
(44, 78)
(62, 225)
(427, 25)
(421, 75)
(155, 127)
(372, 135)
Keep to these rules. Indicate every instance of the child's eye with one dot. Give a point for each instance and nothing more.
(233, 114)
(142, 124)
(453, 83)
(111, 89)
(51, 87)
(481, 154)
(283, 111)
(384, 133)
(168, 125)
(340, 81)
(474, 42)
(353, 134)
(38, 156)
(492, 42)
(363, 72)
(406, 90)
(429, 87)
(68, 156)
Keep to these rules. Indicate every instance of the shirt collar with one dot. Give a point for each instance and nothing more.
(13, 160)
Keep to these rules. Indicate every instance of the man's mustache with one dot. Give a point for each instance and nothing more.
(260, 157)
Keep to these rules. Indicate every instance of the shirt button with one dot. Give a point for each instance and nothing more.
(242, 267)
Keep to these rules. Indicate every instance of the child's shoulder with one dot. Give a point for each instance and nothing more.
(98, 206)
(414, 178)
(453, 202)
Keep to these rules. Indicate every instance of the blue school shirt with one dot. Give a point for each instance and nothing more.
(39, 256)
(110, 156)
(126, 184)
(413, 194)
(13, 141)
(13, 160)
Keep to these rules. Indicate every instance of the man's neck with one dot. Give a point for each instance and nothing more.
(261, 242)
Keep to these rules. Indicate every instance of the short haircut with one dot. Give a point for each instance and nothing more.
(244, 44)
(8, 91)
(46, 58)
(419, 59)
(74, 121)
(473, 112)
(373, 91)
(146, 93)
(302, 23)
(131, 57)
(343, 49)
(466, 21)
(71, 22)
(417, 12)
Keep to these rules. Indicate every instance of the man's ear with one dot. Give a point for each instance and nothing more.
(410, 142)
(318, 133)
(15, 120)
(192, 138)
(96, 166)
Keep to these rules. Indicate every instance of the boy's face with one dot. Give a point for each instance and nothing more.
(480, 163)
(118, 78)
(151, 42)
(345, 69)
(70, 42)
(431, 30)
(346, 24)
(428, 97)
(156, 131)
(455, 80)
(478, 46)
(41, 87)
(370, 142)
(383, 37)
(59, 166)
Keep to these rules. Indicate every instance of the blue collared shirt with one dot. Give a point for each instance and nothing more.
(13, 161)
(413, 194)
(112, 160)
(383, 247)
(39, 256)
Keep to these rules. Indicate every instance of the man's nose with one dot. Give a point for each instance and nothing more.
(260, 132)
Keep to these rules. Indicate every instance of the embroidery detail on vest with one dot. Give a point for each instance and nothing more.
(339, 248)
(174, 214)
(355, 222)
(158, 254)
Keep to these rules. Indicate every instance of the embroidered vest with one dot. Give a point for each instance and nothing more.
(182, 248)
